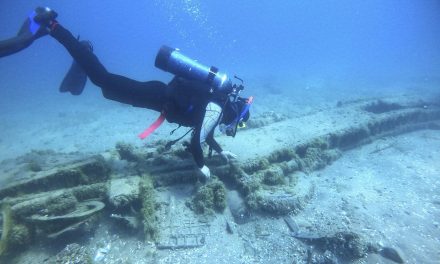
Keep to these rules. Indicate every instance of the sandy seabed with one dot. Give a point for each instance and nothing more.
(386, 191)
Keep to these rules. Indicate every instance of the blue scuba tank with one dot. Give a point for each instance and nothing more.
(173, 61)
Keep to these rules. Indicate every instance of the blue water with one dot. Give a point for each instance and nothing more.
(308, 52)
(352, 43)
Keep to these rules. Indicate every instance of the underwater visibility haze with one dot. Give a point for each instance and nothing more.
(346, 42)
(338, 162)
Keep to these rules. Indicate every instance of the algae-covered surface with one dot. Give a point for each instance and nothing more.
(360, 191)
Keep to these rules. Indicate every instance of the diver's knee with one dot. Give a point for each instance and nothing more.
(100, 79)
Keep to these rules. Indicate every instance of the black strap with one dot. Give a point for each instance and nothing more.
(174, 130)
(172, 142)
(210, 152)
(211, 75)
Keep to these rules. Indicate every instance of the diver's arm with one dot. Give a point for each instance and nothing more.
(15, 44)
(24, 39)
(197, 152)
(196, 148)
(201, 134)
(210, 120)
(212, 115)
(210, 140)
(28, 32)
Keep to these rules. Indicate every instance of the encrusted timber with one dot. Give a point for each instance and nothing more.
(234, 174)
(296, 158)
(27, 205)
(90, 171)
(292, 159)
(386, 124)
(173, 172)
(47, 204)
(260, 200)
(82, 212)
(283, 204)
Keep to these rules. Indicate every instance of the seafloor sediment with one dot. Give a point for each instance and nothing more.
(347, 184)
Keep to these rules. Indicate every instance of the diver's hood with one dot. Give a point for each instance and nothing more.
(233, 114)
(233, 110)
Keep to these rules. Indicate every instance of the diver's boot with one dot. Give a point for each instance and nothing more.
(44, 16)
(38, 23)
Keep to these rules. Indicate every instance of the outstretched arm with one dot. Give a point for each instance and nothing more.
(28, 32)
(15, 44)
(210, 140)
(205, 132)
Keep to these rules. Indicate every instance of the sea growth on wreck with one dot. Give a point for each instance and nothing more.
(13, 236)
(147, 195)
(209, 198)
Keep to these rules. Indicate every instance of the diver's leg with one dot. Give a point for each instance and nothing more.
(150, 94)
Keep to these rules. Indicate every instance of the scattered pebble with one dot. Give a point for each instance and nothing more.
(392, 254)
(291, 223)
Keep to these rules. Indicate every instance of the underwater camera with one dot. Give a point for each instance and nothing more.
(173, 61)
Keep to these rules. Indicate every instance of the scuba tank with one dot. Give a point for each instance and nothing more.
(173, 61)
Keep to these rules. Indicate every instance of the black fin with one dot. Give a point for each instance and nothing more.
(76, 78)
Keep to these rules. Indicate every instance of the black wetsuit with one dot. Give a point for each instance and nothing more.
(153, 95)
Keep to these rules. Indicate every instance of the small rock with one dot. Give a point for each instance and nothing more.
(230, 227)
(392, 254)
(74, 254)
(123, 192)
(237, 207)
(293, 226)
(303, 223)
(326, 258)
(344, 244)
(131, 222)
(101, 253)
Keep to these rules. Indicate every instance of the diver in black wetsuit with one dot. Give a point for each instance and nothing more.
(204, 113)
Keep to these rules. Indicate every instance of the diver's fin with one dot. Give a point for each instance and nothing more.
(76, 78)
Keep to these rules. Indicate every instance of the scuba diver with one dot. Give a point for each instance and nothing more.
(199, 97)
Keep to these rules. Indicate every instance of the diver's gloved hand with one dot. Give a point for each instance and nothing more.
(33, 28)
(43, 17)
(206, 172)
(228, 155)
(38, 22)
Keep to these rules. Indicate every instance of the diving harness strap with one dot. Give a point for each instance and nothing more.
(153, 126)
(157, 124)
